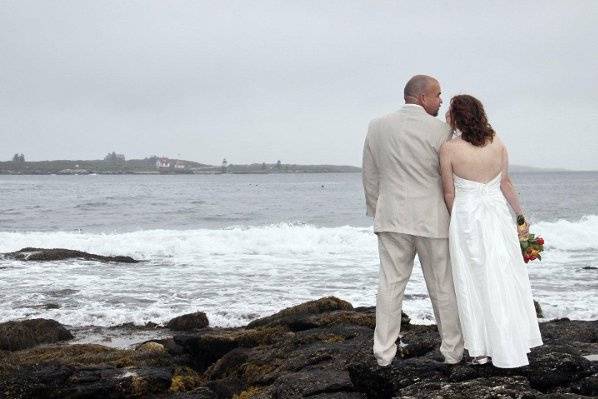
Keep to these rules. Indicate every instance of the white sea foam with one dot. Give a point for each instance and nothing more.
(241, 273)
(566, 235)
(281, 239)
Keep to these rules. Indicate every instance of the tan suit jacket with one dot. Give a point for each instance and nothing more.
(401, 175)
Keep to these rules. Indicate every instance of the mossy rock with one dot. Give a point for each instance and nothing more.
(250, 393)
(189, 322)
(18, 335)
(288, 315)
(186, 379)
(84, 355)
(84, 371)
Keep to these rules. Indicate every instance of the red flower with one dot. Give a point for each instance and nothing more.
(540, 241)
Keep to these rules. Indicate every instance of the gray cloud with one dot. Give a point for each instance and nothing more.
(296, 81)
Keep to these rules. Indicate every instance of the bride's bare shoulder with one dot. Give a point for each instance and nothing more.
(454, 142)
(499, 143)
(449, 147)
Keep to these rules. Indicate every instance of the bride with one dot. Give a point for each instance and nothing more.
(494, 297)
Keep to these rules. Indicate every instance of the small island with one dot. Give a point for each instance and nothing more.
(116, 164)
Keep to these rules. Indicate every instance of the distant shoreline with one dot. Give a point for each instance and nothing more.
(148, 166)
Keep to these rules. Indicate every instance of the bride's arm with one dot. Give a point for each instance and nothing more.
(507, 187)
(446, 173)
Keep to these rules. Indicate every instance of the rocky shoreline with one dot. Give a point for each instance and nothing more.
(319, 349)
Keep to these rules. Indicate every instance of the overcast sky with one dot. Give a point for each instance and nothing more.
(293, 80)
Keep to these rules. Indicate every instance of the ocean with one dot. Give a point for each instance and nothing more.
(239, 247)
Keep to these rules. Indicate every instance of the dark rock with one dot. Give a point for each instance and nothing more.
(34, 380)
(587, 386)
(589, 268)
(307, 352)
(291, 314)
(205, 349)
(226, 387)
(188, 322)
(207, 346)
(197, 393)
(480, 388)
(84, 371)
(405, 319)
(340, 395)
(556, 366)
(111, 383)
(565, 331)
(361, 317)
(246, 366)
(466, 371)
(386, 382)
(53, 254)
(150, 346)
(186, 379)
(17, 335)
(539, 313)
(306, 322)
(330, 335)
(314, 355)
(328, 348)
(419, 340)
(229, 364)
(171, 346)
(312, 382)
(136, 327)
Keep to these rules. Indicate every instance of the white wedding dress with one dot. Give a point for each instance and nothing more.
(494, 297)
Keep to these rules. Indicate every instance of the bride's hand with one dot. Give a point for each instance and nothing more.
(523, 230)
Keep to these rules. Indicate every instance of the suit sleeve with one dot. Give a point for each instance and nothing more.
(370, 177)
(445, 135)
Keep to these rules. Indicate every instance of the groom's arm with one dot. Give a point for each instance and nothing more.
(446, 173)
(370, 177)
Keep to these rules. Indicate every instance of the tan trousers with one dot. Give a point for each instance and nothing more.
(397, 252)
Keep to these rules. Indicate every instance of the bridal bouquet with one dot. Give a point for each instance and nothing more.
(531, 246)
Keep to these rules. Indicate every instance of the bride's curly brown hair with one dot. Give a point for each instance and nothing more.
(467, 114)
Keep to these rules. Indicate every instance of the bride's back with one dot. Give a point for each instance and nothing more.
(477, 154)
(477, 163)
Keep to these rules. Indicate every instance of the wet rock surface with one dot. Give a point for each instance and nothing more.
(319, 350)
(297, 313)
(188, 322)
(56, 254)
(17, 335)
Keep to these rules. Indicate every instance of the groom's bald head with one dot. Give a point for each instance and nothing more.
(425, 91)
(416, 86)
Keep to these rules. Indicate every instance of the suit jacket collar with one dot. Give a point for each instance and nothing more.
(412, 107)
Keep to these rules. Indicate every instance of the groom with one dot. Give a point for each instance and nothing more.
(404, 195)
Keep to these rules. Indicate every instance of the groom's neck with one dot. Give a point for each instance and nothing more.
(412, 100)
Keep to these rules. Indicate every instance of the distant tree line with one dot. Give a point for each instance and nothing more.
(18, 158)
(114, 157)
